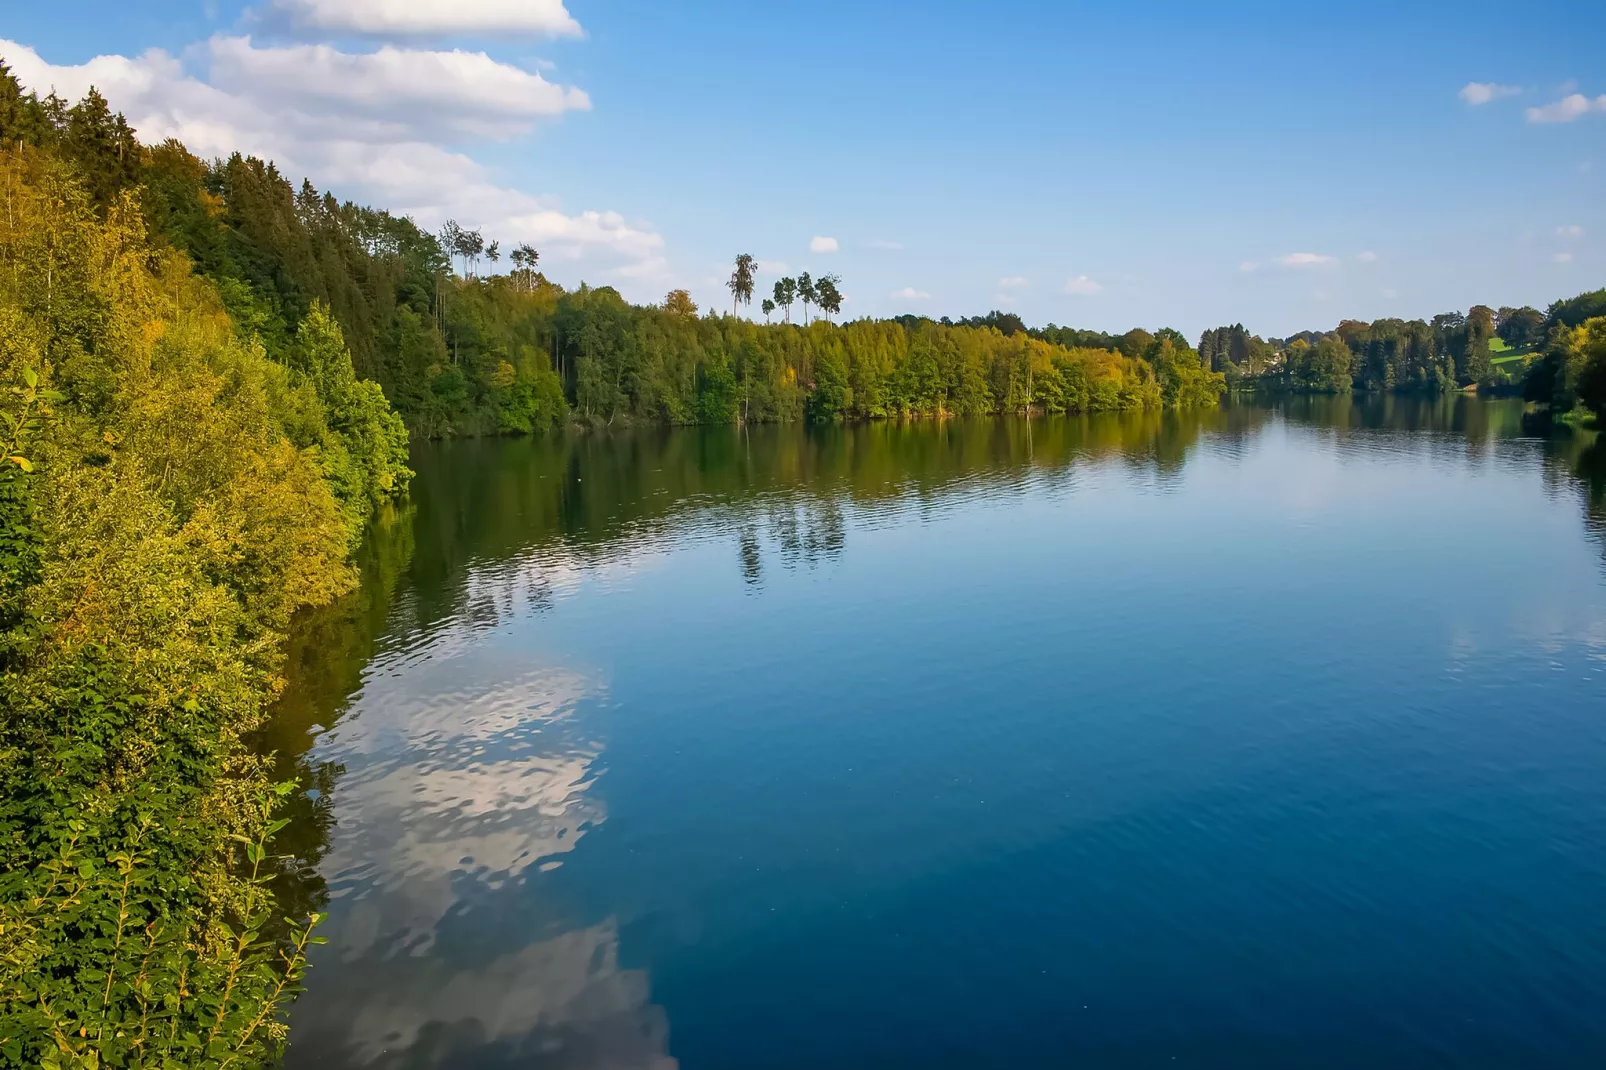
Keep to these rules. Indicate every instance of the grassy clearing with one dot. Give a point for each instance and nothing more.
(1501, 353)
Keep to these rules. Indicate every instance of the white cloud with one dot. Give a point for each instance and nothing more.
(1006, 300)
(818, 244)
(1562, 258)
(379, 18)
(424, 92)
(1567, 109)
(1572, 231)
(1391, 294)
(1304, 259)
(772, 267)
(909, 293)
(882, 243)
(1366, 257)
(1476, 93)
(1248, 265)
(1083, 286)
(372, 127)
(1011, 282)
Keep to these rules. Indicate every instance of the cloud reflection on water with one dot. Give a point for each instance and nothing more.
(453, 796)
(468, 765)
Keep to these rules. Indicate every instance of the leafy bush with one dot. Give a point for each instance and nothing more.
(169, 496)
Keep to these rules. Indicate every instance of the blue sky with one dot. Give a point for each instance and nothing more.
(1097, 165)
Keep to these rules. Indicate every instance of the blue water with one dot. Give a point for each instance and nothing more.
(1268, 737)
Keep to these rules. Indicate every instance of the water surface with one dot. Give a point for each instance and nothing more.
(1261, 737)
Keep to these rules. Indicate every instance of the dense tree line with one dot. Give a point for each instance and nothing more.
(1554, 358)
(458, 351)
(172, 489)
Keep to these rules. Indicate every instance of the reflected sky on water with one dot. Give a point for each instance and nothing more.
(1263, 736)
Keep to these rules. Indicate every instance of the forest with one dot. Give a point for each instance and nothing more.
(1555, 358)
(459, 350)
(171, 492)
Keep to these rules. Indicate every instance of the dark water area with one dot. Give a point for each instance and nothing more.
(1268, 736)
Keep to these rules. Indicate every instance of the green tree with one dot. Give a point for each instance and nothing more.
(807, 292)
(524, 258)
(1574, 311)
(741, 281)
(102, 147)
(173, 509)
(679, 303)
(785, 294)
(1521, 327)
(1135, 343)
(828, 296)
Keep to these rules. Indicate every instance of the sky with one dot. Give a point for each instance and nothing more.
(1096, 165)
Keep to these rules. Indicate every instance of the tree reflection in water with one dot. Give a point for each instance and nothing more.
(447, 771)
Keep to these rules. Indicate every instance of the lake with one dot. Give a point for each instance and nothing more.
(1268, 736)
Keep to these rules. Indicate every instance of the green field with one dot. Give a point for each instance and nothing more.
(1501, 353)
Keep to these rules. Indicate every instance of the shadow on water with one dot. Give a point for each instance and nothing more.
(482, 511)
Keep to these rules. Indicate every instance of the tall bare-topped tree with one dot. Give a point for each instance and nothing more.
(451, 239)
(785, 293)
(806, 290)
(741, 281)
(468, 244)
(524, 258)
(827, 296)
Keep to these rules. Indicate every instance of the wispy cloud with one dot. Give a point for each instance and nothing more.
(772, 267)
(1572, 230)
(1562, 258)
(1366, 256)
(1083, 286)
(909, 293)
(1476, 93)
(1305, 259)
(818, 244)
(1249, 265)
(1011, 282)
(882, 243)
(1568, 108)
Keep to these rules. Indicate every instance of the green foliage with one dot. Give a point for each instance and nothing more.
(1520, 328)
(1588, 358)
(1572, 372)
(741, 281)
(112, 973)
(1323, 368)
(310, 279)
(169, 496)
(363, 450)
(1575, 310)
(1185, 380)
